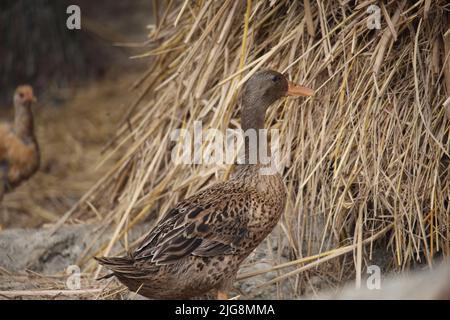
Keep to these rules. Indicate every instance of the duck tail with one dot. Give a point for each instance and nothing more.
(118, 265)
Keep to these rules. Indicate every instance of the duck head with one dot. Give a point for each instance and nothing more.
(24, 96)
(262, 90)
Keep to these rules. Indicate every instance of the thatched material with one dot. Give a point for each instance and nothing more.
(369, 166)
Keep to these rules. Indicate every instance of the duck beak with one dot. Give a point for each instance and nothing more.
(299, 91)
(32, 99)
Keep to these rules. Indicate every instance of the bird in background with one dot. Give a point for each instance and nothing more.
(19, 150)
(198, 246)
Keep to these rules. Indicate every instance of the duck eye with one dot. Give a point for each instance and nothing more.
(275, 78)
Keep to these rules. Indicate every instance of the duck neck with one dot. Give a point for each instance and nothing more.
(255, 138)
(23, 121)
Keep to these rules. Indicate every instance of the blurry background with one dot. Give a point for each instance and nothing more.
(38, 48)
(82, 80)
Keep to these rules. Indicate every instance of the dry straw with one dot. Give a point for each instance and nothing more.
(369, 176)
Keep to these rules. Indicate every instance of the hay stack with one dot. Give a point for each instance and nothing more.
(369, 168)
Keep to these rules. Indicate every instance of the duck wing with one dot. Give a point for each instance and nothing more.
(5, 130)
(207, 224)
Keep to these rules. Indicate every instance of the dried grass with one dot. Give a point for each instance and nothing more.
(370, 152)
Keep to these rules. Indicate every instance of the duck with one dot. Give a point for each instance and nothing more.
(19, 149)
(197, 247)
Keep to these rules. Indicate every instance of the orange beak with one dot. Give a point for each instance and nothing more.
(299, 91)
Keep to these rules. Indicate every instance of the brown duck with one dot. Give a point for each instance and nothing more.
(19, 151)
(199, 245)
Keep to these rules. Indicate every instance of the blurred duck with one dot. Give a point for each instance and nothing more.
(198, 246)
(19, 151)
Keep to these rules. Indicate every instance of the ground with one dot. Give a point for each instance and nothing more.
(37, 259)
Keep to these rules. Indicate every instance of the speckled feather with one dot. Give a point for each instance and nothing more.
(199, 244)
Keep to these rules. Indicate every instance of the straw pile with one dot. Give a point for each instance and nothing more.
(369, 154)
